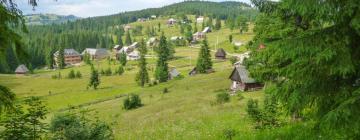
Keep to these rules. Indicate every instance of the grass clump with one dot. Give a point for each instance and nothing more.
(222, 98)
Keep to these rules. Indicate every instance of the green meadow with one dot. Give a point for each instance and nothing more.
(187, 111)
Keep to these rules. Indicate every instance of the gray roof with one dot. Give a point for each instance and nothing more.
(21, 69)
(174, 73)
(93, 51)
(68, 52)
(241, 73)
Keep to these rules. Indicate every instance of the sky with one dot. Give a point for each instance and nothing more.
(91, 8)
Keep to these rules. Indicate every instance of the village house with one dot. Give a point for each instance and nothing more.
(21, 69)
(153, 16)
(134, 45)
(71, 57)
(173, 73)
(152, 42)
(127, 27)
(171, 22)
(199, 35)
(134, 55)
(116, 48)
(200, 19)
(96, 54)
(238, 43)
(220, 54)
(175, 38)
(142, 19)
(207, 30)
(242, 58)
(241, 80)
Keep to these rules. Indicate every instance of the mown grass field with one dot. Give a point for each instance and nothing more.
(186, 112)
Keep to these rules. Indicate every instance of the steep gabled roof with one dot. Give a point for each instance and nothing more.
(240, 73)
(21, 69)
(220, 53)
(68, 52)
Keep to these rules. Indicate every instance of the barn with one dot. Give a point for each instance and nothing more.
(242, 81)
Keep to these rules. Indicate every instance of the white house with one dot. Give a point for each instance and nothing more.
(200, 19)
(206, 30)
(96, 53)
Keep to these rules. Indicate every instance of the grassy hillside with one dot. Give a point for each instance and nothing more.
(186, 112)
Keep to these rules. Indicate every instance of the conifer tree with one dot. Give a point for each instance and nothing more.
(128, 40)
(94, 78)
(120, 41)
(142, 76)
(218, 24)
(195, 27)
(122, 58)
(61, 58)
(204, 59)
(161, 71)
(210, 22)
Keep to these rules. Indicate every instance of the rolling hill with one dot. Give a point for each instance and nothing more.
(45, 19)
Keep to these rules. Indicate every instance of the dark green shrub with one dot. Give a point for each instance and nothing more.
(132, 101)
(78, 74)
(222, 98)
(108, 72)
(120, 70)
(229, 134)
(233, 60)
(254, 110)
(165, 90)
(71, 75)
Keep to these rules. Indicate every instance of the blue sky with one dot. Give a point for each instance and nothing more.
(90, 8)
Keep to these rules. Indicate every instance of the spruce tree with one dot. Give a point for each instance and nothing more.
(120, 41)
(310, 62)
(161, 71)
(122, 58)
(204, 59)
(61, 58)
(218, 24)
(195, 27)
(128, 40)
(94, 78)
(142, 77)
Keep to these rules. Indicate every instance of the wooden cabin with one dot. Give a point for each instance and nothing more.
(21, 70)
(220, 54)
(71, 57)
(171, 22)
(242, 81)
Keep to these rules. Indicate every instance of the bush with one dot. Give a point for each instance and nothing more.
(233, 60)
(222, 98)
(56, 76)
(264, 118)
(120, 70)
(108, 72)
(229, 134)
(254, 110)
(165, 90)
(78, 74)
(132, 101)
(71, 74)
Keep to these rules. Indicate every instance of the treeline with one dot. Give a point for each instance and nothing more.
(103, 32)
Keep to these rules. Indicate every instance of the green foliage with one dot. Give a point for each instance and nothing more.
(132, 101)
(137, 31)
(242, 24)
(233, 60)
(122, 59)
(189, 36)
(229, 134)
(107, 72)
(120, 70)
(310, 62)
(166, 90)
(204, 59)
(264, 118)
(230, 38)
(7, 98)
(222, 98)
(71, 126)
(94, 78)
(86, 58)
(78, 74)
(61, 59)
(21, 125)
(161, 71)
(56, 76)
(142, 77)
(71, 74)
(217, 24)
(128, 40)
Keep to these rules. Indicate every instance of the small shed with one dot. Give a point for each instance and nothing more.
(171, 21)
(21, 69)
(220, 54)
(242, 81)
(199, 35)
(173, 73)
(206, 30)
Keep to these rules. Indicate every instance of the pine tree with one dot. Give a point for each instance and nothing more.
(142, 76)
(128, 40)
(230, 38)
(61, 58)
(195, 27)
(218, 24)
(94, 78)
(120, 41)
(210, 22)
(204, 59)
(310, 61)
(122, 58)
(161, 71)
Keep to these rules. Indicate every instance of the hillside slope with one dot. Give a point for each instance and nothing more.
(44, 19)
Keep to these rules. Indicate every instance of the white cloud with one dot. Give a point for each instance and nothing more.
(89, 8)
